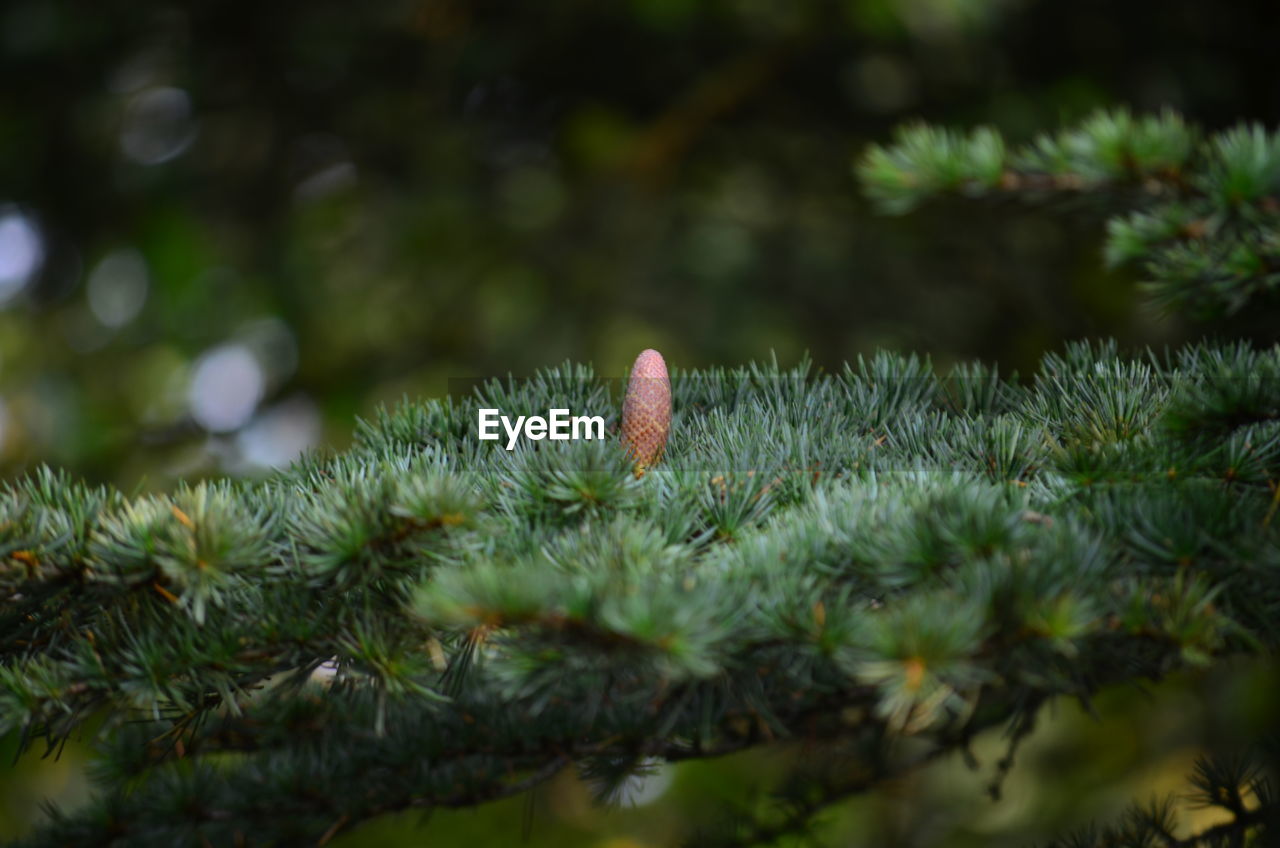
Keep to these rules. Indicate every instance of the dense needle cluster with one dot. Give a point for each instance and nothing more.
(854, 557)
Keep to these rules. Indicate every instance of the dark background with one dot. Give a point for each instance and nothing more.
(227, 228)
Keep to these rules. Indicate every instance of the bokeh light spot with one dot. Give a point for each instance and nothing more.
(273, 344)
(648, 786)
(117, 288)
(226, 386)
(158, 126)
(327, 181)
(21, 252)
(280, 434)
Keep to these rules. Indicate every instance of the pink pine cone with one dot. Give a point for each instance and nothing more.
(646, 411)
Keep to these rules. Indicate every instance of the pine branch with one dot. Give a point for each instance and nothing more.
(817, 557)
(1204, 210)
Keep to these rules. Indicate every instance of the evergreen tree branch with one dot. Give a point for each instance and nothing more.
(1203, 210)
(819, 557)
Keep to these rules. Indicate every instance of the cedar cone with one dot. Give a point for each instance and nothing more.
(646, 411)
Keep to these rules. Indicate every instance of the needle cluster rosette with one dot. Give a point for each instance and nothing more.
(646, 410)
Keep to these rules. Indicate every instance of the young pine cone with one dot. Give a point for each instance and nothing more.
(646, 411)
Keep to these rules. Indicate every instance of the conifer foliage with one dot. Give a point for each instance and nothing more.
(1203, 211)
(855, 557)
(877, 564)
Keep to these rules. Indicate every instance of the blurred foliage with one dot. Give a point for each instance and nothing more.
(1077, 767)
(373, 199)
(1205, 212)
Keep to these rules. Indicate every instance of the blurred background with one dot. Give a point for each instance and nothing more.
(227, 228)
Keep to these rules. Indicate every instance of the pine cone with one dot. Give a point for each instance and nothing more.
(646, 411)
